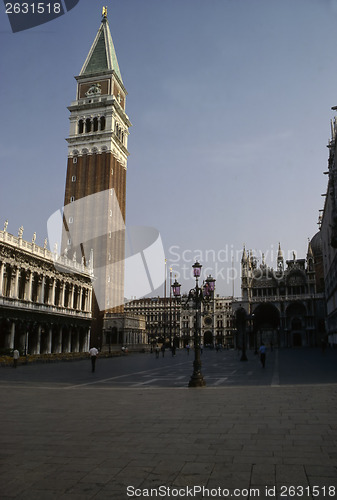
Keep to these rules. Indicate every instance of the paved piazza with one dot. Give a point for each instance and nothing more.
(133, 429)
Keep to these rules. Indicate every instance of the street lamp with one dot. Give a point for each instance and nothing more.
(197, 295)
(176, 293)
(176, 288)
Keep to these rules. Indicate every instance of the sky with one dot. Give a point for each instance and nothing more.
(230, 104)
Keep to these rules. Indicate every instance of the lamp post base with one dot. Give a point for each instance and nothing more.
(197, 380)
(243, 357)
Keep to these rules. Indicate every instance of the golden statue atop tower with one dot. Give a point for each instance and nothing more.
(105, 12)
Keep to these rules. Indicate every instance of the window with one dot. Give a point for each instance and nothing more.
(80, 127)
(73, 179)
(72, 198)
(75, 159)
(95, 124)
(71, 220)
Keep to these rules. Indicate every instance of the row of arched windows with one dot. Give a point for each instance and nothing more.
(119, 133)
(87, 125)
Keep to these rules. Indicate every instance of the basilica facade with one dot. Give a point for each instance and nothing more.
(284, 306)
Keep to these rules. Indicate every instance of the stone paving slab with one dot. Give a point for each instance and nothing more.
(94, 443)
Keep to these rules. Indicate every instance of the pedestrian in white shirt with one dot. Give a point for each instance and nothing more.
(93, 356)
(16, 356)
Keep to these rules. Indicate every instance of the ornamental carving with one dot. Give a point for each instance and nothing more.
(94, 90)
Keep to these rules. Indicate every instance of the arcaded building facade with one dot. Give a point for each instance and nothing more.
(45, 299)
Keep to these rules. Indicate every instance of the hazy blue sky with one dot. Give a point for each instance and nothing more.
(230, 102)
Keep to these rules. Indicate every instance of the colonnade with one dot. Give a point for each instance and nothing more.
(41, 287)
(134, 337)
(43, 308)
(43, 337)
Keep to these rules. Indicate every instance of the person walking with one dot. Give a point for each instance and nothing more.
(16, 356)
(157, 351)
(93, 356)
(262, 352)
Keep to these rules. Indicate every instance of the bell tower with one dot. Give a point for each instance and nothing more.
(95, 191)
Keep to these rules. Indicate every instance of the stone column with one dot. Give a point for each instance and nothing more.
(58, 341)
(53, 287)
(88, 339)
(28, 295)
(23, 341)
(76, 293)
(1, 277)
(41, 291)
(80, 298)
(71, 305)
(16, 284)
(49, 340)
(63, 285)
(11, 337)
(37, 347)
(89, 301)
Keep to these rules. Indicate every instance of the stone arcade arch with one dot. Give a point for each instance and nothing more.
(296, 325)
(208, 338)
(265, 325)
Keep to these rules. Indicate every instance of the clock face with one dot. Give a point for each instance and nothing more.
(208, 321)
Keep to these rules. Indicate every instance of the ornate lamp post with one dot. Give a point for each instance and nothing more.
(175, 287)
(197, 295)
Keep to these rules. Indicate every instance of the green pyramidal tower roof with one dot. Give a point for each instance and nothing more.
(102, 55)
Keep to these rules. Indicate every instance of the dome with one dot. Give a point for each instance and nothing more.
(316, 244)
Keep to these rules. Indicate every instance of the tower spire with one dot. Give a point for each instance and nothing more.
(102, 55)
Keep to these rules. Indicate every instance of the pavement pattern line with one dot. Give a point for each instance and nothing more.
(120, 376)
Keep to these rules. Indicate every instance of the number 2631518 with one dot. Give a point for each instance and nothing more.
(33, 8)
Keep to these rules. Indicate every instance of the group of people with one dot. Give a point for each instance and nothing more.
(93, 352)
